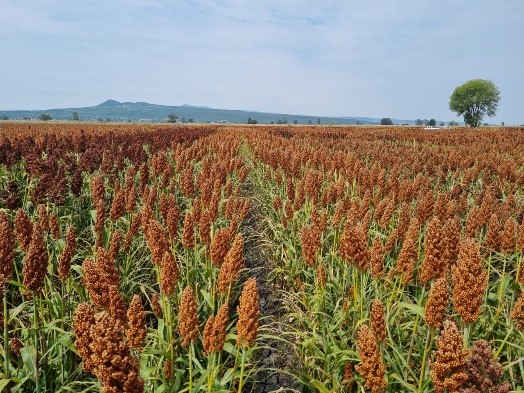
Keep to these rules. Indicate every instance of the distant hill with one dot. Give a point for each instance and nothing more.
(112, 110)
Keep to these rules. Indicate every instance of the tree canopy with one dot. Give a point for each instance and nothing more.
(386, 121)
(475, 99)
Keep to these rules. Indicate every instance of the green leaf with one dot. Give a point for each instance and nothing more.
(320, 386)
(413, 307)
(29, 358)
(66, 341)
(3, 383)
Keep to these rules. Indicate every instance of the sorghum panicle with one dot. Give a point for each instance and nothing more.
(484, 372)
(371, 367)
(23, 229)
(437, 303)
(7, 247)
(434, 266)
(64, 266)
(448, 368)
(378, 321)
(136, 319)
(168, 273)
(188, 320)
(220, 246)
(469, 282)
(248, 313)
(517, 314)
(36, 261)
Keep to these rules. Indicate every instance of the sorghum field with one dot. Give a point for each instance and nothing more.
(251, 259)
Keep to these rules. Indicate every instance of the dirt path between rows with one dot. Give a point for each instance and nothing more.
(275, 359)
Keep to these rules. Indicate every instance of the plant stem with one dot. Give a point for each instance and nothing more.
(6, 338)
(35, 326)
(429, 339)
(191, 367)
(241, 381)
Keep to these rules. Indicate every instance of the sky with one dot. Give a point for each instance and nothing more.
(376, 58)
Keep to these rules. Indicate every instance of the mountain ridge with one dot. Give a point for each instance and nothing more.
(114, 110)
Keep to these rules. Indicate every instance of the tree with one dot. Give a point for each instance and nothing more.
(251, 121)
(386, 121)
(442, 124)
(5, 117)
(418, 122)
(295, 121)
(44, 117)
(318, 120)
(172, 118)
(474, 99)
(452, 123)
(75, 116)
(432, 122)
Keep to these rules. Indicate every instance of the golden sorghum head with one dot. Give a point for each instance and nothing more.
(220, 246)
(517, 314)
(188, 231)
(248, 313)
(448, 368)
(204, 227)
(520, 237)
(117, 305)
(408, 256)
(7, 247)
(434, 266)
(157, 240)
(425, 206)
(233, 262)
(23, 229)
(36, 260)
(354, 245)
(473, 222)
(437, 303)
(214, 336)
(167, 370)
(132, 231)
(188, 316)
(102, 282)
(493, 238)
(168, 274)
(484, 372)
(54, 226)
(43, 219)
(470, 281)
(83, 320)
(509, 236)
(155, 305)
(377, 258)
(310, 240)
(64, 266)
(372, 368)
(118, 206)
(452, 240)
(321, 275)
(114, 366)
(114, 245)
(378, 320)
(136, 328)
(173, 214)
